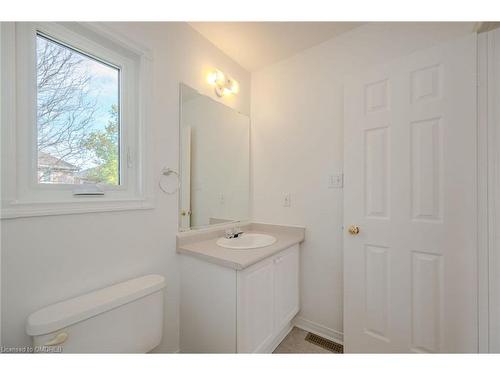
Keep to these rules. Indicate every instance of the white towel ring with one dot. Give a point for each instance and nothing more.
(169, 172)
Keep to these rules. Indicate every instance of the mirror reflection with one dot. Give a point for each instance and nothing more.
(214, 161)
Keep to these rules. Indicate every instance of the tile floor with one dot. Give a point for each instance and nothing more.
(295, 342)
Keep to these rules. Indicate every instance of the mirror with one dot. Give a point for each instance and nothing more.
(214, 162)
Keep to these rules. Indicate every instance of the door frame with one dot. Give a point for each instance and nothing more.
(488, 187)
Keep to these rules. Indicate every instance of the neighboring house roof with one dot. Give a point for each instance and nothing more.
(86, 173)
(49, 161)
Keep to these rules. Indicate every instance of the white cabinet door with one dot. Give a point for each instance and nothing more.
(286, 287)
(255, 307)
(410, 185)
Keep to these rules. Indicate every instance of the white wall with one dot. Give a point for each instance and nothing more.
(49, 259)
(493, 123)
(297, 142)
(0, 223)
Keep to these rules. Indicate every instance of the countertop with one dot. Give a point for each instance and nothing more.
(203, 244)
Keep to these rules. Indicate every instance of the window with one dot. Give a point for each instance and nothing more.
(74, 101)
(78, 116)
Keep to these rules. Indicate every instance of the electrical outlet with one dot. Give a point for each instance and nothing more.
(287, 200)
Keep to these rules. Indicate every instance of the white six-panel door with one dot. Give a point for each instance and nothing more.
(410, 187)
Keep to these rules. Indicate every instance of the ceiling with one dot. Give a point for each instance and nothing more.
(257, 44)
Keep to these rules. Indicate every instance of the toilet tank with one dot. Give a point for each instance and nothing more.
(123, 318)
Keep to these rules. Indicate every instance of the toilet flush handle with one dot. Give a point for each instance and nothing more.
(57, 340)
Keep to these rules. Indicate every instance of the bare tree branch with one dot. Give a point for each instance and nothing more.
(66, 110)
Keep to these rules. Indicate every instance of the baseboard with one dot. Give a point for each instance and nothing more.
(277, 339)
(319, 330)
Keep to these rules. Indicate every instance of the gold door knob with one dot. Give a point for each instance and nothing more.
(353, 229)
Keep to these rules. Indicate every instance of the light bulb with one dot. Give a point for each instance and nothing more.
(221, 78)
(211, 78)
(216, 77)
(234, 86)
(224, 85)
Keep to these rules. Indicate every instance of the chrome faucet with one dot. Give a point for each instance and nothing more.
(234, 232)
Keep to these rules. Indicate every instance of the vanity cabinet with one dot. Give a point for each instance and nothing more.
(255, 306)
(268, 299)
(238, 311)
(286, 287)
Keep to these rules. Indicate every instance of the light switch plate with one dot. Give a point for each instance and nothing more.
(336, 181)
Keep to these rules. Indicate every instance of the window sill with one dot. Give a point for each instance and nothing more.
(34, 209)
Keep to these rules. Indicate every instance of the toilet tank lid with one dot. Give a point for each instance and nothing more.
(65, 313)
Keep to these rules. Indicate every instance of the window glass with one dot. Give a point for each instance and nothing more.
(78, 116)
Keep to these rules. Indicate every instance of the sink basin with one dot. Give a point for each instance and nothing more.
(247, 241)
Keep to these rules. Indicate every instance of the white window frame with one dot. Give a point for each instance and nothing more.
(22, 194)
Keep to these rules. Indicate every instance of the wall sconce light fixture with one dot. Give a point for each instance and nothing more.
(223, 84)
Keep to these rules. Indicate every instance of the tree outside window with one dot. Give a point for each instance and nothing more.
(78, 116)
